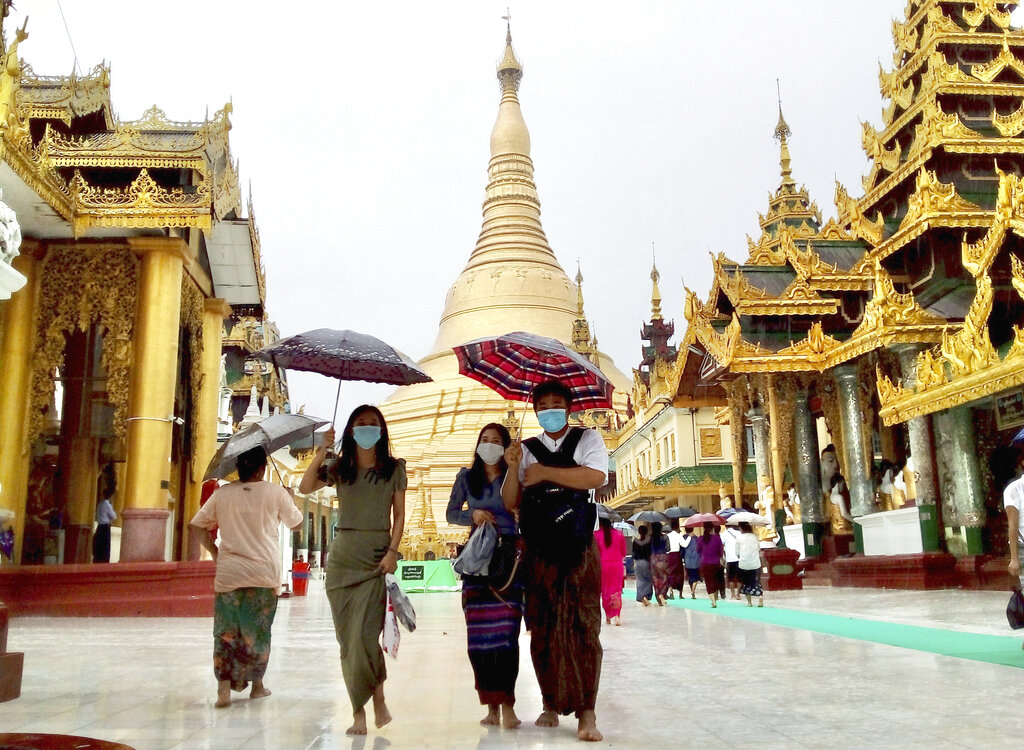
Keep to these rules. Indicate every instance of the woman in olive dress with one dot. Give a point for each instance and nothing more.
(370, 483)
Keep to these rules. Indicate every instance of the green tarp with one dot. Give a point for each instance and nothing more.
(426, 576)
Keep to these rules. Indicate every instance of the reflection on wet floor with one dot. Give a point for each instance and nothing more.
(672, 677)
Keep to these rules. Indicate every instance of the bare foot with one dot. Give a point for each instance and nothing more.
(547, 719)
(358, 723)
(607, 621)
(619, 622)
(258, 691)
(646, 602)
(223, 694)
(492, 719)
(509, 720)
(587, 730)
(661, 600)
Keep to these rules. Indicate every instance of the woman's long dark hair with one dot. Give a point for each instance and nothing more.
(655, 533)
(478, 472)
(385, 465)
(606, 527)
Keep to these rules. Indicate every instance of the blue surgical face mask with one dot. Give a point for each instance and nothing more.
(366, 435)
(552, 420)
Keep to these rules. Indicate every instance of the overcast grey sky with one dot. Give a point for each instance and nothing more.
(363, 127)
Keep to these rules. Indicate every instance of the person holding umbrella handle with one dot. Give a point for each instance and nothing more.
(371, 484)
(549, 480)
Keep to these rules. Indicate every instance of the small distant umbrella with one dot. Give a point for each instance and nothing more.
(679, 512)
(603, 511)
(726, 512)
(702, 518)
(271, 434)
(345, 355)
(1018, 438)
(625, 528)
(746, 517)
(649, 516)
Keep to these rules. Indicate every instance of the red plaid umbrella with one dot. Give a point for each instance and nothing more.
(513, 364)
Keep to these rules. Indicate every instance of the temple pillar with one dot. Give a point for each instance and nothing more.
(778, 475)
(808, 474)
(17, 345)
(151, 398)
(856, 463)
(963, 494)
(207, 413)
(762, 455)
(922, 454)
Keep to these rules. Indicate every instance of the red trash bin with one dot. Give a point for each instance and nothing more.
(300, 577)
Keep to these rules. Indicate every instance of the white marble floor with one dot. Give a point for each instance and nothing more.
(672, 678)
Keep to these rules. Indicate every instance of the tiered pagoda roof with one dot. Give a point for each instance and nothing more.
(62, 138)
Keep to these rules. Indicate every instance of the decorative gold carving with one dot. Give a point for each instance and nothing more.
(1017, 269)
(905, 37)
(987, 72)
(814, 347)
(63, 97)
(81, 286)
(711, 442)
(888, 159)
(932, 197)
(1009, 125)
(888, 308)
(144, 203)
(975, 15)
(191, 323)
(851, 215)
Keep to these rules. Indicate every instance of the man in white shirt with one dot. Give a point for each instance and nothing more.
(563, 570)
(1013, 499)
(732, 561)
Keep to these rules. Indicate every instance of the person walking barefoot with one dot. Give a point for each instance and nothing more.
(748, 547)
(370, 485)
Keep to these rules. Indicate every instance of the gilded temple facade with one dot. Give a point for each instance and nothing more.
(675, 447)
(894, 330)
(512, 281)
(133, 245)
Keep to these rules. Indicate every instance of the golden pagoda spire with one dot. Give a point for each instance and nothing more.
(512, 265)
(782, 133)
(579, 291)
(581, 341)
(655, 291)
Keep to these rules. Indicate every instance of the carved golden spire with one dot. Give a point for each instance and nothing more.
(782, 133)
(655, 291)
(581, 341)
(512, 266)
(579, 291)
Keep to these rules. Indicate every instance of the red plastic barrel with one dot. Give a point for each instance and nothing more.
(300, 577)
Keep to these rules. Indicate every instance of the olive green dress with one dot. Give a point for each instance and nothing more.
(355, 590)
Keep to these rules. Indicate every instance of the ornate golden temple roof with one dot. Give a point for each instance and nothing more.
(60, 137)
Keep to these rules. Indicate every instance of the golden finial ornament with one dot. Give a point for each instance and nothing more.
(655, 291)
(782, 133)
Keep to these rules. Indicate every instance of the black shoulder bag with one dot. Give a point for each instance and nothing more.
(557, 522)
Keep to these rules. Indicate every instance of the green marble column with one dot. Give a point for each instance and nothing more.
(855, 461)
(963, 496)
(922, 454)
(808, 475)
(762, 448)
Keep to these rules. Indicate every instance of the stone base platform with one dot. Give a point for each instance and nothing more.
(141, 589)
(922, 571)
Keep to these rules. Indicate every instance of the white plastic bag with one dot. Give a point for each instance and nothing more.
(399, 603)
(390, 637)
(476, 555)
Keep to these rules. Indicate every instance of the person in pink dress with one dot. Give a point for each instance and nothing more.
(611, 545)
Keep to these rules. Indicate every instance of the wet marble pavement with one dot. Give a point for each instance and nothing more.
(672, 678)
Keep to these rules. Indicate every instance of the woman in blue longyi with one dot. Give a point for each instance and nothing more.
(493, 619)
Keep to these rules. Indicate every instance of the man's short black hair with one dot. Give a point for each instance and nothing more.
(250, 463)
(552, 388)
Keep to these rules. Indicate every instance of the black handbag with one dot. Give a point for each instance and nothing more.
(504, 568)
(1015, 610)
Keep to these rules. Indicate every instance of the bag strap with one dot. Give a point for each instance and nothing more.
(568, 447)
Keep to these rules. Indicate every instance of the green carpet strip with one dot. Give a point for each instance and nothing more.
(993, 649)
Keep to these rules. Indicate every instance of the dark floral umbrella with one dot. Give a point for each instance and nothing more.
(513, 364)
(345, 355)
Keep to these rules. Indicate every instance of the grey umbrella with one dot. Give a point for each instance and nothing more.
(603, 511)
(271, 434)
(649, 516)
(679, 512)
